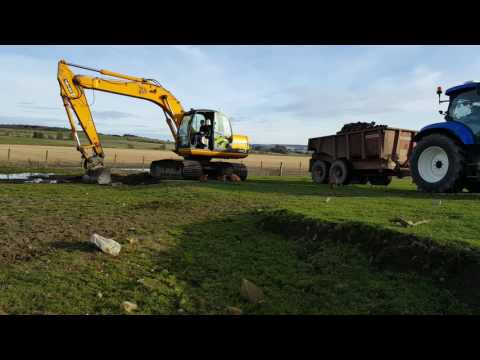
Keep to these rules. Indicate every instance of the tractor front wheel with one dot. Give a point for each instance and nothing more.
(438, 164)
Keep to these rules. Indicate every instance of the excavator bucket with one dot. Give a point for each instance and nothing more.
(101, 176)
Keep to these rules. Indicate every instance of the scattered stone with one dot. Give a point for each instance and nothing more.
(203, 178)
(116, 183)
(232, 310)
(234, 178)
(131, 229)
(99, 295)
(181, 311)
(438, 202)
(408, 223)
(327, 199)
(131, 240)
(108, 246)
(129, 307)
(251, 292)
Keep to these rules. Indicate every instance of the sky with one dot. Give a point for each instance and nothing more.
(274, 94)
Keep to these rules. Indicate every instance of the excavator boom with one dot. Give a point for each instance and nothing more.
(72, 91)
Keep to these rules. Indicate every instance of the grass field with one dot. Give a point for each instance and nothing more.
(50, 137)
(187, 246)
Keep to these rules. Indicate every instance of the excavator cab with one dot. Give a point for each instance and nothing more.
(207, 130)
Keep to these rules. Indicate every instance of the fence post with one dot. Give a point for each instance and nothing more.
(300, 165)
(115, 159)
(143, 163)
(261, 164)
(281, 168)
(46, 157)
(8, 157)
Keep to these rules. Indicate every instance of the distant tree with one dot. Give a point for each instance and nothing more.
(59, 135)
(280, 149)
(38, 135)
(70, 136)
(130, 146)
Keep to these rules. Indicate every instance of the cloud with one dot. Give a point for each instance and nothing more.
(112, 114)
(271, 93)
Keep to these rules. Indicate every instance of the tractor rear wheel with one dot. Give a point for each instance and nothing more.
(320, 172)
(438, 164)
(340, 173)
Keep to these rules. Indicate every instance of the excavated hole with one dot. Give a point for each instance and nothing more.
(453, 266)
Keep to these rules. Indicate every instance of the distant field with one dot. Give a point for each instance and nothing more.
(55, 148)
(34, 155)
(16, 136)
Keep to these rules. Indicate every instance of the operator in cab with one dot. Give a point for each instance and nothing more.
(202, 136)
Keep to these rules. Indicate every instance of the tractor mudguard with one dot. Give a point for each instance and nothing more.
(460, 131)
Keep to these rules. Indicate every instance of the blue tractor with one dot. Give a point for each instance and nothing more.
(446, 157)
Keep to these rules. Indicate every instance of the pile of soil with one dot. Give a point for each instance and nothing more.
(358, 126)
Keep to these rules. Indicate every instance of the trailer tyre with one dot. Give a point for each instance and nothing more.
(320, 170)
(339, 172)
(438, 164)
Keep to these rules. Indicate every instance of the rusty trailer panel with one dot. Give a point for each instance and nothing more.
(382, 149)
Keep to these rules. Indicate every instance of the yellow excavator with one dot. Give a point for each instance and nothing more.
(200, 134)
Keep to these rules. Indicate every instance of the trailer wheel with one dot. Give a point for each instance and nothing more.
(380, 180)
(339, 172)
(438, 164)
(320, 170)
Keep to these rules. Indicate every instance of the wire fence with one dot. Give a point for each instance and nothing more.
(50, 158)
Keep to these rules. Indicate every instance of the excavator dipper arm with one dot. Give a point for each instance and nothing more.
(72, 91)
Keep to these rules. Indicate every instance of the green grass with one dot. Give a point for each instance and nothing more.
(193, 243)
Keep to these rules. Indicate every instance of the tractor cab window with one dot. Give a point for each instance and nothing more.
(465, 108)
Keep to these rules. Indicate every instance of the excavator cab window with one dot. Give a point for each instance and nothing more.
(222, 131)
(183, 132)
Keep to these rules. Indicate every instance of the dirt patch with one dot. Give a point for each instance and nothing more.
(455, 265)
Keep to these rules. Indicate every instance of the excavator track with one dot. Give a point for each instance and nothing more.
(220, 168)
(241, 171)
(193, 169)
(176, 170)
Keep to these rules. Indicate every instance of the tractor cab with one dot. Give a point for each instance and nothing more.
(464, 106)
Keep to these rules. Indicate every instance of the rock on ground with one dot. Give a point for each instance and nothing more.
(251, 292)
(108, 246)
(129, 306)
(232, 310)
